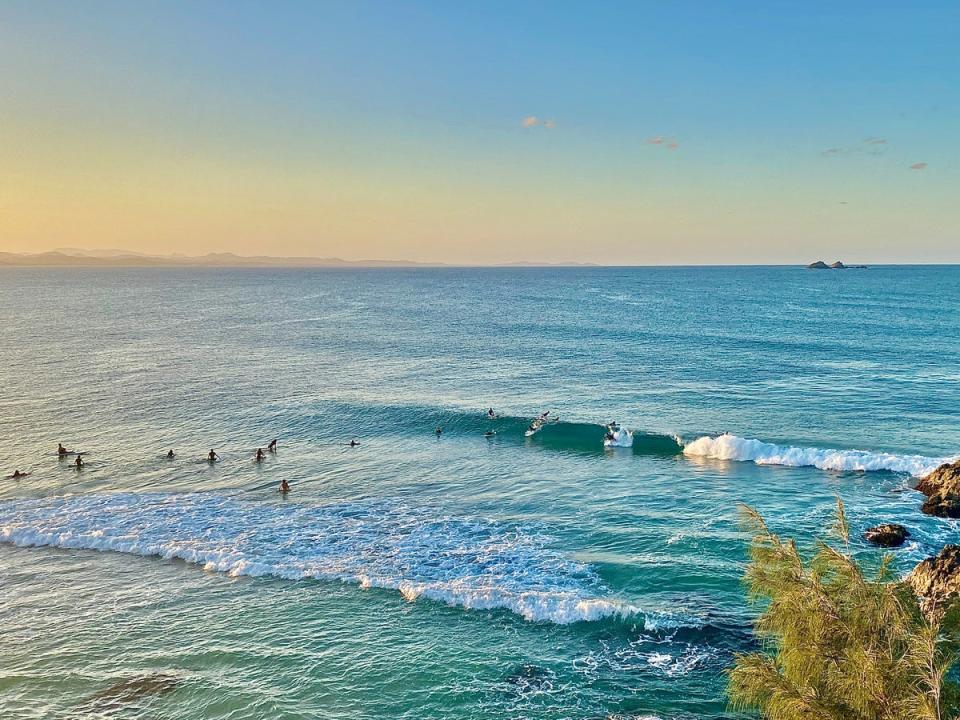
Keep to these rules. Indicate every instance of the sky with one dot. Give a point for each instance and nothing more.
(484, 132)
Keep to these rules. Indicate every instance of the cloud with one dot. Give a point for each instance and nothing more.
(530, 121)
(549, 124)
(874, 146)
(919, 166)
(667, 141)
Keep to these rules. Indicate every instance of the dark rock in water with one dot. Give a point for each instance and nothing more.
(942, 488)
(818, 265)
(130, 690)
(838, 265)
(936, 580)
(531, 678)
(887, 535)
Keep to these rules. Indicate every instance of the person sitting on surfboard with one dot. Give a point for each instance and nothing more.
(260, 455)
(78, 462)
(284, 486)
(353, 443)
(61, 450)
(170, 455)
(439, 430)
(272, 447)
(212, 456)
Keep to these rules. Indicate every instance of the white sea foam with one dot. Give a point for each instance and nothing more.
(471, 563)
(731, 447)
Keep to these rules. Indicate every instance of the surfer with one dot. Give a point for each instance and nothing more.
(284, 486)
(170, 455)
(212, 456)
(17, 475)
(353, 443)
(439, 431)
(272, 447)
(78, 462)
(260, 455)
(61, 450)
(490, 433)
(491, 414)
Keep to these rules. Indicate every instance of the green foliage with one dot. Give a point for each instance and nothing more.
(840, 645)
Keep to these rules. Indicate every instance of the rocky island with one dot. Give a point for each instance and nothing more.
(821, 265)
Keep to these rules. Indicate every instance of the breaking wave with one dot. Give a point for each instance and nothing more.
(471, 563)
(731, 447)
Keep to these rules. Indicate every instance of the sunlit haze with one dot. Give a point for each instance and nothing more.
(614, 133)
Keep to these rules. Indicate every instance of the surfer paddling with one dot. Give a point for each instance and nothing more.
(272, 447)
(17, 475)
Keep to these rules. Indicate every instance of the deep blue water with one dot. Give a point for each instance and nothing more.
(459, 576)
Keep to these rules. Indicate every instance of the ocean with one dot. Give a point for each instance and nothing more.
(460, 575)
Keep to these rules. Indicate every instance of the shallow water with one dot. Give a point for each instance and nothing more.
(453, 576)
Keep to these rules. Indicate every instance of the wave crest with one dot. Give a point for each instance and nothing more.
(731, 447)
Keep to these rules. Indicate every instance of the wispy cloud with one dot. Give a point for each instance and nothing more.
(871, 146)
(667, 141)
(919, 166)
(532, 121)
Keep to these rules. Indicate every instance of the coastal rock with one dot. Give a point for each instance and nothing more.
(887, 535)
(838, 265)
(818, 265)
(942, 488)
(935, 580)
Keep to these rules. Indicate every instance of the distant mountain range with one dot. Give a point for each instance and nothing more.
(72, 257)
(76, 257)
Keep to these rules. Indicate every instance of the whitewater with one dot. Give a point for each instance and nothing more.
(470, 563)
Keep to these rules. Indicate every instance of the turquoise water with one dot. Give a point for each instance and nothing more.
(458, 576)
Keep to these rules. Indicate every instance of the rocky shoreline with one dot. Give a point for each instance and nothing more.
(936, 580)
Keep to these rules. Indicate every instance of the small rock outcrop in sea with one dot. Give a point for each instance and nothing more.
(942, 488)
(838, 265)
(936, 580)
(818, 265)
(887, 535)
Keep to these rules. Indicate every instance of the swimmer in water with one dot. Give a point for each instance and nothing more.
(170, 455)
(61, 450)
(212, 456)
(284, 486)
(78, 462)
(272, 447)
(260, 455)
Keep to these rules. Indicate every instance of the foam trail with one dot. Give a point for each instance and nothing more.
(470, 563)
(731, 447)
